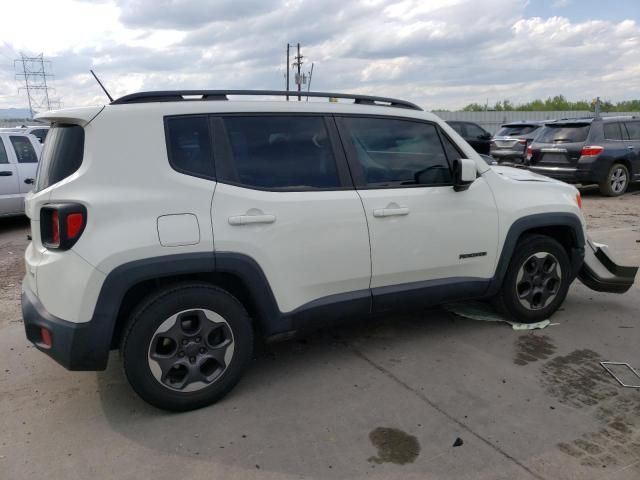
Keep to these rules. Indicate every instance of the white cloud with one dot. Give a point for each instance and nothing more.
(437, 53)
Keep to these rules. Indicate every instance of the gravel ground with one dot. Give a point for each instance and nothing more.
(425, 395)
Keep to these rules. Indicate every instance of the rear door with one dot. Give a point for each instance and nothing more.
(633, 145)
(285, 199)
(26, 151)
(10, 200)
(560, 144)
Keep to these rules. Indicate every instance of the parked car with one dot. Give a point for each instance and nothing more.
(18, 165)
(474, 135)
(510, 143)
(602, 150)
(40, 132)
(243, 218)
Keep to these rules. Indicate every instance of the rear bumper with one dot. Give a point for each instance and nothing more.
(600, 273)
(566, 174)
(75, 346)
(508, 155)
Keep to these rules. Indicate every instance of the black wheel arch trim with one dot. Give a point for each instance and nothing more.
(533, 222)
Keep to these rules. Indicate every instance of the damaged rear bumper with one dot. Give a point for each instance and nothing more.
(600, 273)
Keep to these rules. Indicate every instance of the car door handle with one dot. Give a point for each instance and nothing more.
(631, 147)
(6, 173)
(390, 211)
(29, 181)
(249, 219)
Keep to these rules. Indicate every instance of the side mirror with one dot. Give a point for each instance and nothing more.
(464, 173)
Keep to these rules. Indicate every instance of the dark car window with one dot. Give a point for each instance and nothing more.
(189, 145)
(282, 152)
(24, 150)
(514, 131)
(62, 154)
(398, 152)
(3, 153)
(40, 134)
(474, 131)
(459, 128)
(564, 133)
(612, 131)
(633, 129)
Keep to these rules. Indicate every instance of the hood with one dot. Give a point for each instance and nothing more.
(520, 174)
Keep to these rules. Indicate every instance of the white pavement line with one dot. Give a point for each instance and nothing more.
(433, 405)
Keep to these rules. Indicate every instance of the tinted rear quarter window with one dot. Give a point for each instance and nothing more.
(189, 145)
(612, 131)
(24, 150)
(281, 152)
(565, 133)
(62, 154)
(3, 152)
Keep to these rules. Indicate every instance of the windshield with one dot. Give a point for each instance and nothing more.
(564, 133)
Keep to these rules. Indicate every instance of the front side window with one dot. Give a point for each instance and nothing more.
(24, 150)
(281, 152)
(189, 145)
(612, 131)
(398, 152)
(3, 153)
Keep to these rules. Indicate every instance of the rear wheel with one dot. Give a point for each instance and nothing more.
(616, 182)
(187, 346)
(536, 281)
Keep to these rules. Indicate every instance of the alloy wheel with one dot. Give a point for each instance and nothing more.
(538, 281)
(190, 350)
(618, 180)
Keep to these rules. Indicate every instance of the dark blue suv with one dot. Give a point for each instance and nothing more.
(603, 150)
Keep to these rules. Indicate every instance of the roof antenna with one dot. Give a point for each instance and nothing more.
(101, 86)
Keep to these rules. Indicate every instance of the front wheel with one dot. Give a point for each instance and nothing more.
(536, 281)
(187, 346)
(616, 182)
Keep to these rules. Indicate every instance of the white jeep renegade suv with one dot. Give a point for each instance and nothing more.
(178, 226)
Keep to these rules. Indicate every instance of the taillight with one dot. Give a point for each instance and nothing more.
(62, 224)
(591, 151)
(579, 200)
(529, 153)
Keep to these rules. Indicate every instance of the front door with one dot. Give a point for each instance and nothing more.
(425, 237)
(284, 198)
(10, 200)
(26, 153)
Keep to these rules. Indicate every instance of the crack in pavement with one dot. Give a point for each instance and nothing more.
(433, 405)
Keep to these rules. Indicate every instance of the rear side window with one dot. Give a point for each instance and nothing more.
(633, 129)
(40, 134)
(62, 154)
(281, 152)
(3, 153)
(24, 150)
(459, 128)
(612, 131)
(564, 133)
(474, 131)
(189, 145)
(398, 152)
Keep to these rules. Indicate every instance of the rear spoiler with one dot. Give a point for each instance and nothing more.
(78, 116)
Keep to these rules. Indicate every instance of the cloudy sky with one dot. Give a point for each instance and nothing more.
(438, 53)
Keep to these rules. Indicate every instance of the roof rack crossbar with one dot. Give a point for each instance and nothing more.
(182, 95)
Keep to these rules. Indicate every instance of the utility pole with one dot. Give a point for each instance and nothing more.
(287, 71)
(309, 84)
(298, 63)
(33, 71)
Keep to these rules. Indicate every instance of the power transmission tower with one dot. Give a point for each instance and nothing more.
(33, 72)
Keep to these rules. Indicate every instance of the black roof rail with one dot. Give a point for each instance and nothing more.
(183, 95)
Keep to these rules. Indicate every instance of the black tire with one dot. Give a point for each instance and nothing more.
(196, 299)
(513, 295)
(617, 181)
